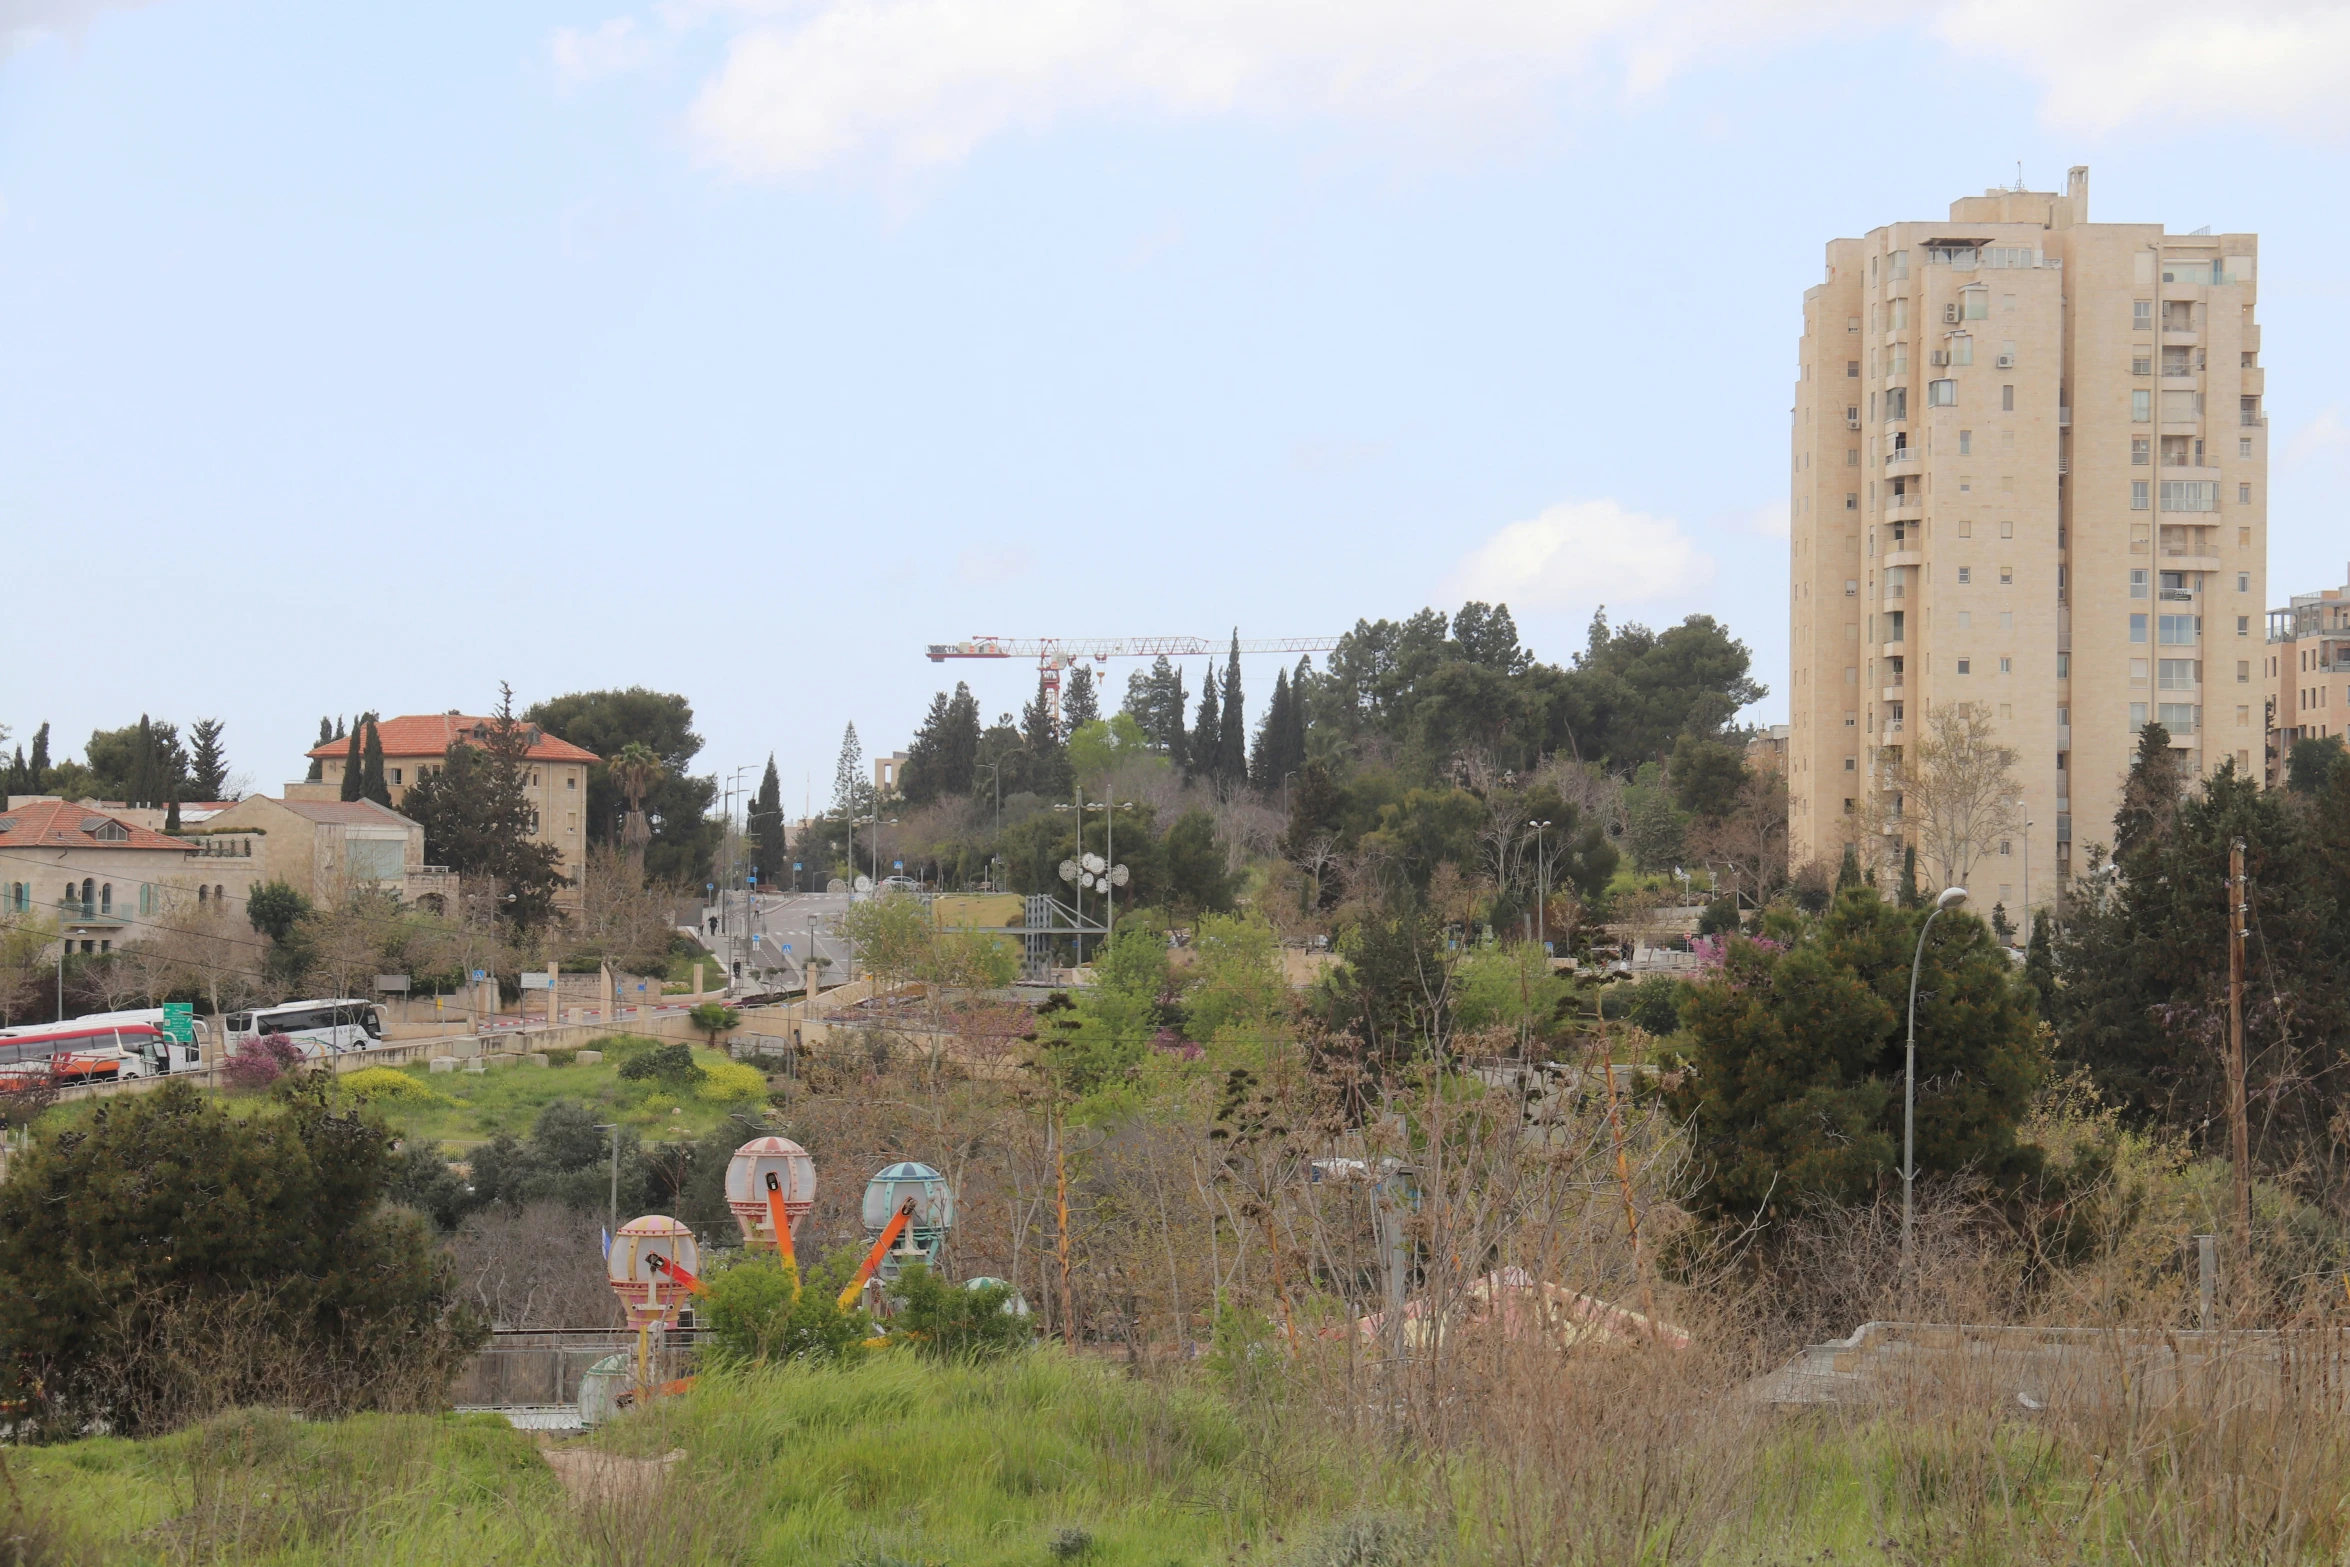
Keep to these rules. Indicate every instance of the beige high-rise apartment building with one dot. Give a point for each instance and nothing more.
(2030, 473)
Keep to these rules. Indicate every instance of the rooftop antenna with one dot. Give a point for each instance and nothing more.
(2019, 175)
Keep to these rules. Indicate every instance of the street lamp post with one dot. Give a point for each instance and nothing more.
(1541, 892)
(1951, 898)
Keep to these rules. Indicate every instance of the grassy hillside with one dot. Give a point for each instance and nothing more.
(459, 1109)
(1040, 1459)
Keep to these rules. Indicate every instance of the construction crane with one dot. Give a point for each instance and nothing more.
(1054, 654)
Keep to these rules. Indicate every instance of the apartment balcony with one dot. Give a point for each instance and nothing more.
(1893, 604)
(2255, 380)
(1893, 693)
(1909, 508)
(2176, 595)
(1893, 650)
(1900, 558)
(2064, 737)
(1904, 457)
(74, 914)
(2183, 558)
(2251, 421)
(2064, 418)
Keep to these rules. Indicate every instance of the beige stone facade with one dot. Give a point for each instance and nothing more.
(2030, 473)
(2306, 673)
(106, 881)
(555, 774)
(326, 848)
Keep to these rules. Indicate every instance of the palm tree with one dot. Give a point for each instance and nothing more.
(635, 769)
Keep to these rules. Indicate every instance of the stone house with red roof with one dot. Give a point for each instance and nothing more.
(556, 776)
(107, 881)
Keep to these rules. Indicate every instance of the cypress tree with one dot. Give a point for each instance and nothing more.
(1207, 735)
(1909, 876)
(1232, 740)
(1271, 761)
(371, 766)
(326, 734)
(1848, 873)
(171, 815)
(767, 846)
(39, 764)
(352, 763)
(1300, 688)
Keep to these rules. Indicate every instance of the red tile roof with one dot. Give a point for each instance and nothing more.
(431, 734)
(61, 824)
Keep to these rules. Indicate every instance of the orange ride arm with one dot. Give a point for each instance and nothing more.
(676, 1274)
(889, 1238)
(782, 1222)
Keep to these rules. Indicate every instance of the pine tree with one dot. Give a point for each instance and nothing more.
(849, 788)
(1047, 764)
(2150, 793)
(1207, 735)
(371, 765)
(208, 764)
(326, 735)
(918, 779)
(1232, 739)
(1848, 872)
(353, 761)
(768, 856)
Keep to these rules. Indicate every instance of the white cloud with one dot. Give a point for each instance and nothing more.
(1774, 521)
(22, 21)
(592, 53)
(817, 85)
(2323, 433)
(2106, 64)
(1577, 554)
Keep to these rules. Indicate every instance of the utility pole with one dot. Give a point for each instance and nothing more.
(2239, 1124)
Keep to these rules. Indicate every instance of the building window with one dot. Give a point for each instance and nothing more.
(2137, 671)
(203, 894)
(2175, 674)
(571, 780)
(2142, 314)
(1965, 573)
(2190, 495)
(1942, 394)
(2137, 582)
(2141, 407)
(1897, 402)
(2007, 576)
(1852, 368)
(1851, 588)
(2007, 399)
(2243, 494)
(2007, 530)
(2141, 452)
(2006, 667)
(2177, 717)
(2243, 582)
(2137, 628)
(1966, 443)
(2137, 715)
(1851, 500)
(2176, 630)
(1966, 666)
(2243, 625)
(2138, 501)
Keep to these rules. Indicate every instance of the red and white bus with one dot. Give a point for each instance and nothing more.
(86, 1051)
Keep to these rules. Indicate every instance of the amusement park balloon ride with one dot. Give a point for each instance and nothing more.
(654, 1262)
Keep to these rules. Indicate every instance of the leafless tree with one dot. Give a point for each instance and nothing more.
(1958, 789)
(536, 1266)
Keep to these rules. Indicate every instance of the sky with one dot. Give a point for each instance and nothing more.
(364, 357)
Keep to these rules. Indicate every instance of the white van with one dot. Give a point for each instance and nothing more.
(317, 1028)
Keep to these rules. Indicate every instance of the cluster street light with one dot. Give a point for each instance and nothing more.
(1101, 871)
(1951, 898)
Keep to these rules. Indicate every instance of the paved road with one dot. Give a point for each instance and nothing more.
(779, 921)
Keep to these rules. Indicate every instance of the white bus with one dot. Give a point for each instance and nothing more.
(153, 1018)
(89, 1050)
(317, 1028)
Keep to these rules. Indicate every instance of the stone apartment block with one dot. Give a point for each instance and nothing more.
(326, 848)
(107, 881)
(2306, 673)
(417, 744)
(2030, 473)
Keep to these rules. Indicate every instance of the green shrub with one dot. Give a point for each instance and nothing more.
(671, 1065)
(947, 1319)
(760, 1316)
(174, 1259)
